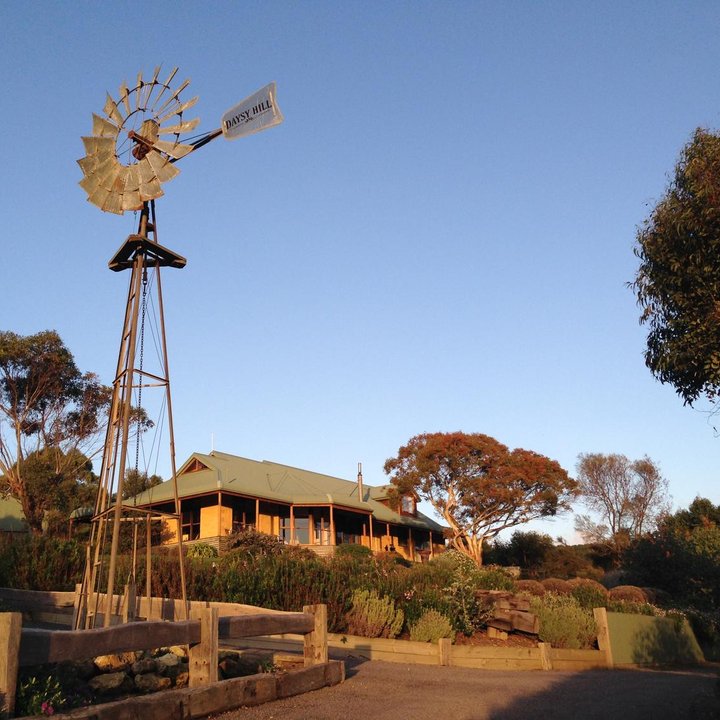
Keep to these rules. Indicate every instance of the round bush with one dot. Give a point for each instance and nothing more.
(557, 586)
(353, 550)
(628, 593)
(589, 593)
(531, 587)
(431, 626)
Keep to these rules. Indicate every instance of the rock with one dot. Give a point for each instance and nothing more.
(150, 682)
(167, 661)
(114, 663)
(229, 668)
(114, 683)
(182, 679)
(85, 669)
(144, 666)
(231, 654)
(179, 650)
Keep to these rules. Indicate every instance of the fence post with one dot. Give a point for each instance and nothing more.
(444, 650)
(10, 632)
(203, 657)
(315, 649)
(603, 634)
(545, 659)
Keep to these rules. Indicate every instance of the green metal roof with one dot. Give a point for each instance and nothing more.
(12, 518)
(274, 482)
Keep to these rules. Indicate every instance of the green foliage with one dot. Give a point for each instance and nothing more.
(39, 696)
(589, 593)
(469, 613)
(628, 593)
(631, 608)
(353, 550)
(478, 485)
(430, 627)
(557, 586)
(59, 413)
(373, 615)
(201, 550)
(706, 626)
(39, 562)
(255, 543)
(563, 622)
(682, 557)
(679, 247)
(136, 482)
(528, 550)
(530, 587)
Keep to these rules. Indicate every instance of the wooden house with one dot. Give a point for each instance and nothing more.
(221, 494)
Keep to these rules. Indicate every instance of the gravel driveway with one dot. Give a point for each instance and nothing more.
(388, 691)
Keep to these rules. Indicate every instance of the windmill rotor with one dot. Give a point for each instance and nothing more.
(127, 158)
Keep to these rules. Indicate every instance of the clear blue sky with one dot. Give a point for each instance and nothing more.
(438, 237)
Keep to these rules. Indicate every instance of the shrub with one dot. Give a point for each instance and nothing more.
(373, 615)
(557, 586)
(706, 626)
(530, 587)
(563, 623)
(415, 603)
(430, 627)
(201, 550)
(255, 543)
(354, 551)
(631, 608)
(628, 593)
(492, 578)
(589, 593)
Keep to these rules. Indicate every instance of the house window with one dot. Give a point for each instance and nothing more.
(408, 505)
(191, 524)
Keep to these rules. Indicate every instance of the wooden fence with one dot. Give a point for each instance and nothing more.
(203, 633)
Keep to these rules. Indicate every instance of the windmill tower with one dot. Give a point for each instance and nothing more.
(127, 160)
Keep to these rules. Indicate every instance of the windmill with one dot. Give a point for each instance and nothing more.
(133, 150)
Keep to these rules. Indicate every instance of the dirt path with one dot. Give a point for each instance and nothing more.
(388, 691)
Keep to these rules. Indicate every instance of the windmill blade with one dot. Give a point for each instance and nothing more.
(132, 179)
(174, 150)
(132, 201)
(99, 145)
(173, 97)
(125, 97)
(138, 89)
(98, 196)
(112, 111)
(151, 87)
(182, 127)
(179, 109)
(113, 203)
(151, 190)
(165, 87)
(103, 127)
(164, 170)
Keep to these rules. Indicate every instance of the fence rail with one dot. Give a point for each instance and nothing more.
(202, 633)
